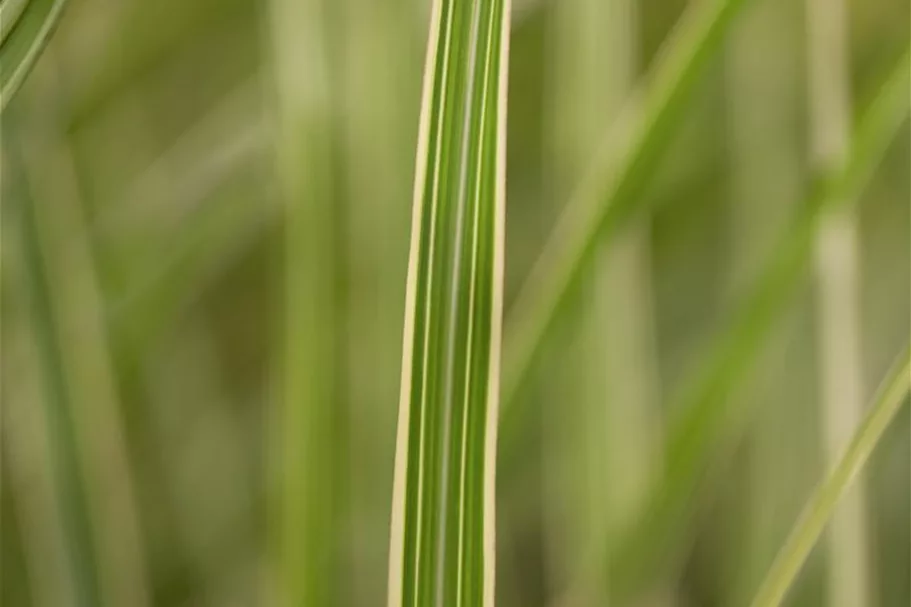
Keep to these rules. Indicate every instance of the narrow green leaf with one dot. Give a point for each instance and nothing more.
(27, 26)
(29, 449)
(10, 11)
(705, 413)
(611, 191)
(838, 280)
(822, 503)
(442, 536)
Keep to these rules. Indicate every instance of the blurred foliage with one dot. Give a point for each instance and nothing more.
(141, 149)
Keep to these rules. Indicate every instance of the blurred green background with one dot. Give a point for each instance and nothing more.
(142, 303)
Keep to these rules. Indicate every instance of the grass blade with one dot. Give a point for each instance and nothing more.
(10, 11)
(838, 297)
(68, 475)
(31, 449)
(704, 412)
(610, 192)
(442, 536)
(823, 502)
(23, 40)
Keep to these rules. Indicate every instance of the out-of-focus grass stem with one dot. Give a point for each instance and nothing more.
(822, 505)
(28, 447)
(838, 295)
(25, 34)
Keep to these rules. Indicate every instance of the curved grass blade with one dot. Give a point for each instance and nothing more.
(611, 190)
(824, 500)
(69, 478)
(442, 532)
(705, 412)
(31, 27)
(10, 11)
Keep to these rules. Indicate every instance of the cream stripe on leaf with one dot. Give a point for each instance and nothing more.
(442, 537)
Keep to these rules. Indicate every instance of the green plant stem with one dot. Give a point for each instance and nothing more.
(23, 42)
(838, 296)
(29, 460)
(10, 11)
(824, 500)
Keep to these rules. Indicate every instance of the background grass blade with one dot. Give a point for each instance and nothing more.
(10, 11)
(611, 190)
(67, 474)
(838, 296)
(34, 460)
(307, 425)
(825, 499)
(442, 532)
(29, 30)
(704, 415)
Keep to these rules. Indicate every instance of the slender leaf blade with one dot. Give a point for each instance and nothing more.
(838, 277)
(442, 536)
(827, 496)
(30, 25)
